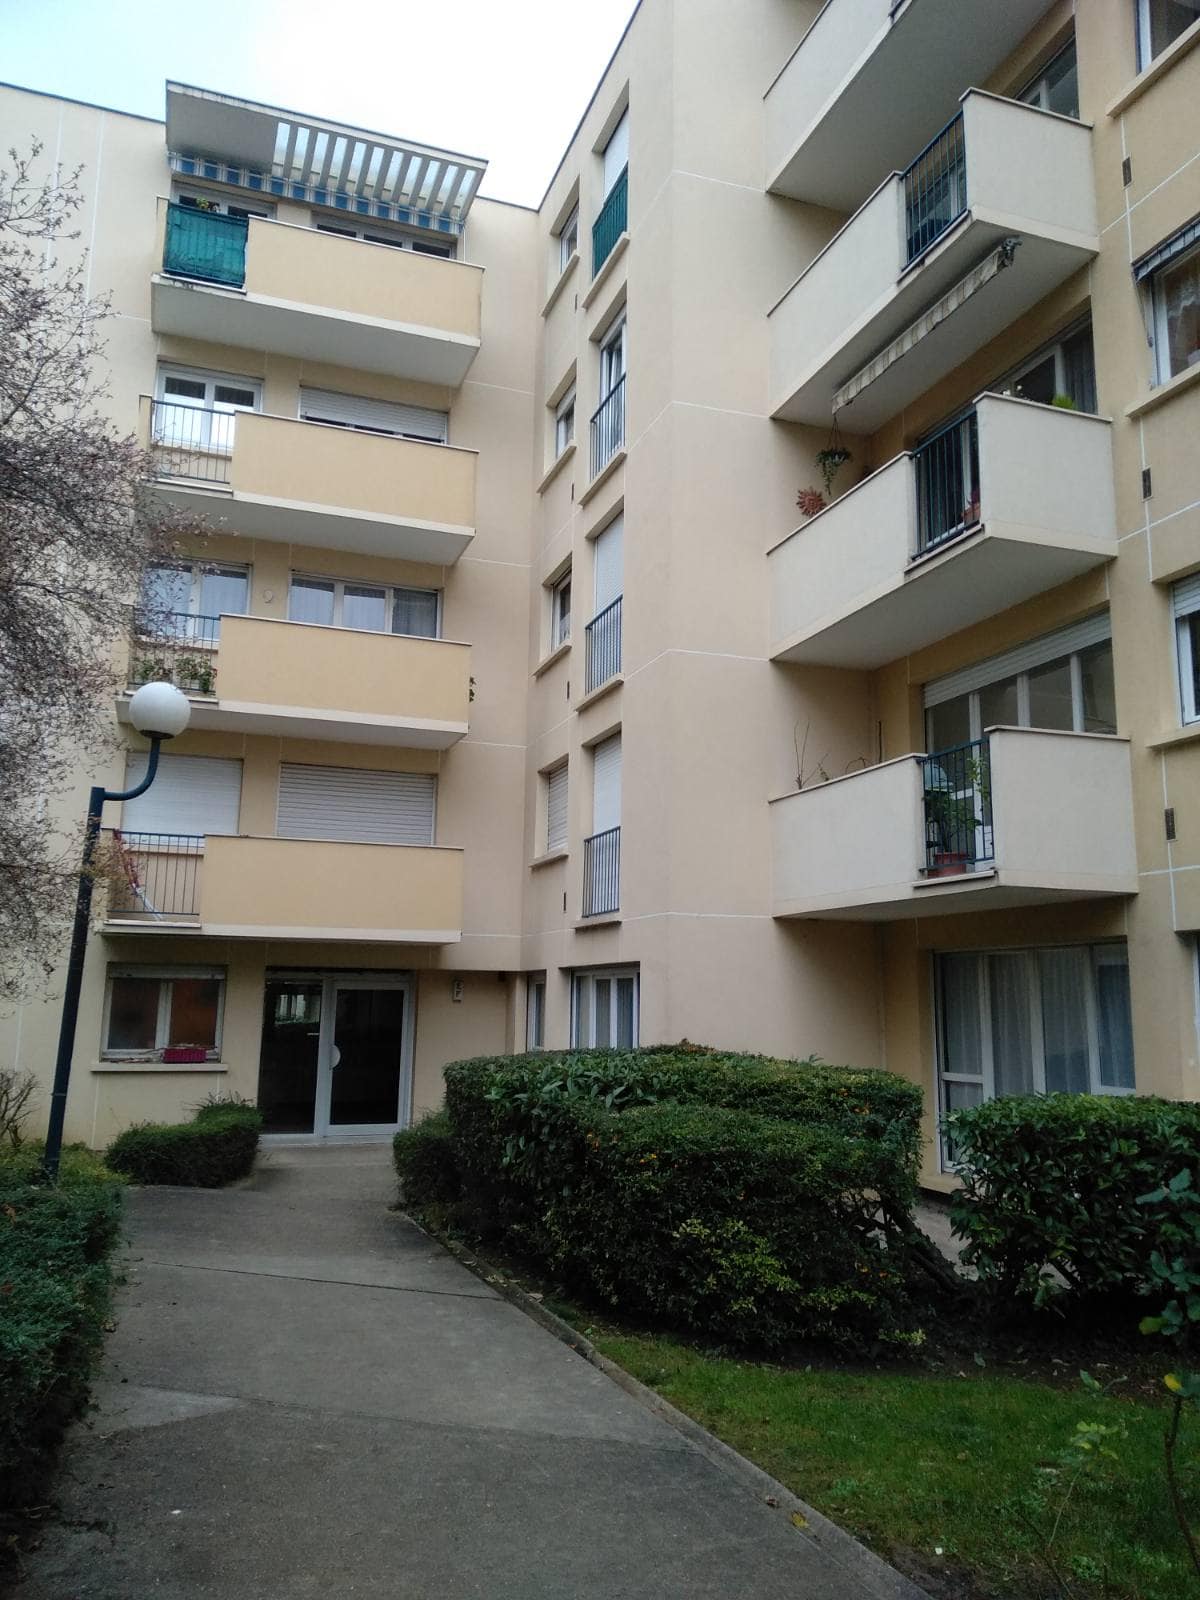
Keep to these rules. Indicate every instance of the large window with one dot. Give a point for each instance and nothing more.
(564, 422)
(186, 599)
(163, 1013)
(1186, 598)
(1064, 370)
(1174, 286)
(604, 1009)
(373, 234)
(373, 607)
(560, 610)
(556, 809)
(568, 239)
(1049, 1021)
(196, 410)
(535, 1012)
(199, 200)
(367, 415)
(1160, 22)
(1056, 87)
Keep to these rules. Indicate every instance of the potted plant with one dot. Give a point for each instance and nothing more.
(830, 462)
(956, 808)
(179, 1053)
(1064, 402)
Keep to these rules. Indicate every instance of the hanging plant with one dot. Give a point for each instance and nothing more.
(833, 458)
(811, 501)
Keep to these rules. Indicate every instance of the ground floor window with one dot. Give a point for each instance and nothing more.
(604, 1008)
(1048, 1021)
(163, 1013)
(535, 1013)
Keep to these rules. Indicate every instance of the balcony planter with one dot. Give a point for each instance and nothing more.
(947, 864)
(181, 1053)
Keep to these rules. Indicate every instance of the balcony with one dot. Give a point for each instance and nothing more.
(611, 223)
(602, 647)
(602, 873)
(608, 427)
(1023, 818)
(266, 285)
(300, 680)
(249, 888)
(312, 483)
(994, 214)
(1009, 501)
(838, 112)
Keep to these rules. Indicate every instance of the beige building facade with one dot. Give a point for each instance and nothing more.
(523, 710)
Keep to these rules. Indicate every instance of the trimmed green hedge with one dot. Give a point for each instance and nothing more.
(217, 1147)
(1053, 1181)
(425, 1160)
(753, 1200)
(55, 1288)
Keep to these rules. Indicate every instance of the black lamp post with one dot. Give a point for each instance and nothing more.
(159, 711)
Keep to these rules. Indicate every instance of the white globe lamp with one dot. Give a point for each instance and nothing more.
(159, 710)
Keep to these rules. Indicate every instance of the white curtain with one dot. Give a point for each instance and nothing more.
(1065, 976)
(1115, 1019)
(1012, 1042)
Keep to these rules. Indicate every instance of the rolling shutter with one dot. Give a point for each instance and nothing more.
(192, 795)
(1094, 630)
(1185, 595)
(383, 416)
(363, 807)
(609, 565)
(606, 785)
(556, 808)
(616, 153)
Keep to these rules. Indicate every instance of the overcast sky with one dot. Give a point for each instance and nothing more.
(502, 79)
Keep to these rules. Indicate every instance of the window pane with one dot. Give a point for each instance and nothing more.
(184, 388)
(224, 592)
(998, 705)
(1115, 1018)
(1099, 693)
(415, 611)
(133, 1014)
(1039, 382)
(583, 1013)
(1065, 975)
(949, 724)
(1177, 290)
(603, 999)
(1062, 83)
(1168, 19)
(1012, 1042)
(311, 601)
(1189, 665)
(962, 1042)
(1050, 702)
(364, 608)
(1079, 369)
(626, 1030)
(226, 394)
(166, 590)
(194, 1004)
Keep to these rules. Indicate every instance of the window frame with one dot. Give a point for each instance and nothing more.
(190, 195)
(1187, 663)
(1038, 81)
(1078, 708)
(198, 571)
(390, 590)
(614, 356)
(568, 238)
(209, 406)
(1158, 313)
(1146, 53)
(1007, 384)
(587, 976)
(535, 1011)
(564, 422)
(555, 846)
(560, 616)
(348, 226)
(165, 975)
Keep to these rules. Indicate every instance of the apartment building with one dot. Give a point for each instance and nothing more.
(523, 711)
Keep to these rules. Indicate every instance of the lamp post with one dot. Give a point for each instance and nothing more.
(159, 711)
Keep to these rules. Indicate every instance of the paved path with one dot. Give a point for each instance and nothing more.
(305, 1397)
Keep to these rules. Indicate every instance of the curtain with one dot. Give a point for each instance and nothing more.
(414, 611)
(1065, 975)
(310, 601)
(962, 1038)
(1012, 1042)
(1180, 288)
(1115, 1019)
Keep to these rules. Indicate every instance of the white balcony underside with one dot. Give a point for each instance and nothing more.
(978, 891)
(312, 333)
(212, 714)
(139, 926)
(328, 527)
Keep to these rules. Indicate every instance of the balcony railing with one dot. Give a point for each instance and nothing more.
(947, 476)
(610, 224)
(602, 873)
(603, 636)
(206, 245)
(191, 441)
(935, 189)
(151, 876)
(958, 809)
(608, 426)
(174, 647)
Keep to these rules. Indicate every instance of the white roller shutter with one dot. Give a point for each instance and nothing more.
(363, 807)
(606, 785)
(1093, 630)
(616, 153)
(191, 795)
(609, 564)
(385, 416)
(1186, 595)
(556, 808)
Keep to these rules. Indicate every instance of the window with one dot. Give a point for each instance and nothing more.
(556, 809)
(603, 637)
(616, 154)
(560, 611)
(1056, 87)
(608, 424)
(1174, 286)
(191, 796)
(196, 410)
(350, 804)
(186, 599)
(568, 239)
(604, 1009)
(1186, 601)
(1063, 680)
(602, 848)
(197, 200)
(397, 241)
(535, 1012)
(153, 1013)
(612, 358)
(374, 607)
(1159, 23)
(1066, 368)
(375, 416)
(1046, 1021)
(564, 422)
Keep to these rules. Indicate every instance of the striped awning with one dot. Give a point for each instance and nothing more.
(278, 152)
(1167, 251)
(995, 262)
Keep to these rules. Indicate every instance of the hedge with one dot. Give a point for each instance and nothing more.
(753, 1200)
(216, 1147)
(56, 1283)
(1050, 1190)
(425, 1160)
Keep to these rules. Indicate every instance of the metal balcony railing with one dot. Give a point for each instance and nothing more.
(603, 647)
(608, 426)
(947, 468)
(935, 189)
(151, 876)
(174, 647)
(191, 441)
(602, 873)
(610, 224)
(206, 245)
(958, 809)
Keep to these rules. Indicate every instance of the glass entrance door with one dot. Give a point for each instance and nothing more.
(367, 1057)
(287, 1071)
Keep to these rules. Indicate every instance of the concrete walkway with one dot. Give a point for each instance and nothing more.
(305, 1397)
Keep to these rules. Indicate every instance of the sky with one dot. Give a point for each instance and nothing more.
(503, 79)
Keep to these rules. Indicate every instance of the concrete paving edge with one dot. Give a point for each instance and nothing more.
(876, 1578)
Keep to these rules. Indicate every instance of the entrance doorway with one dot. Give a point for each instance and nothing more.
(336, 1059)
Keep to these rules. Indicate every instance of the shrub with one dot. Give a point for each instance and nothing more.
(216, 1147)
(55, 1285)
(426, 1162)
(77, 1165)
(1053, 1181)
